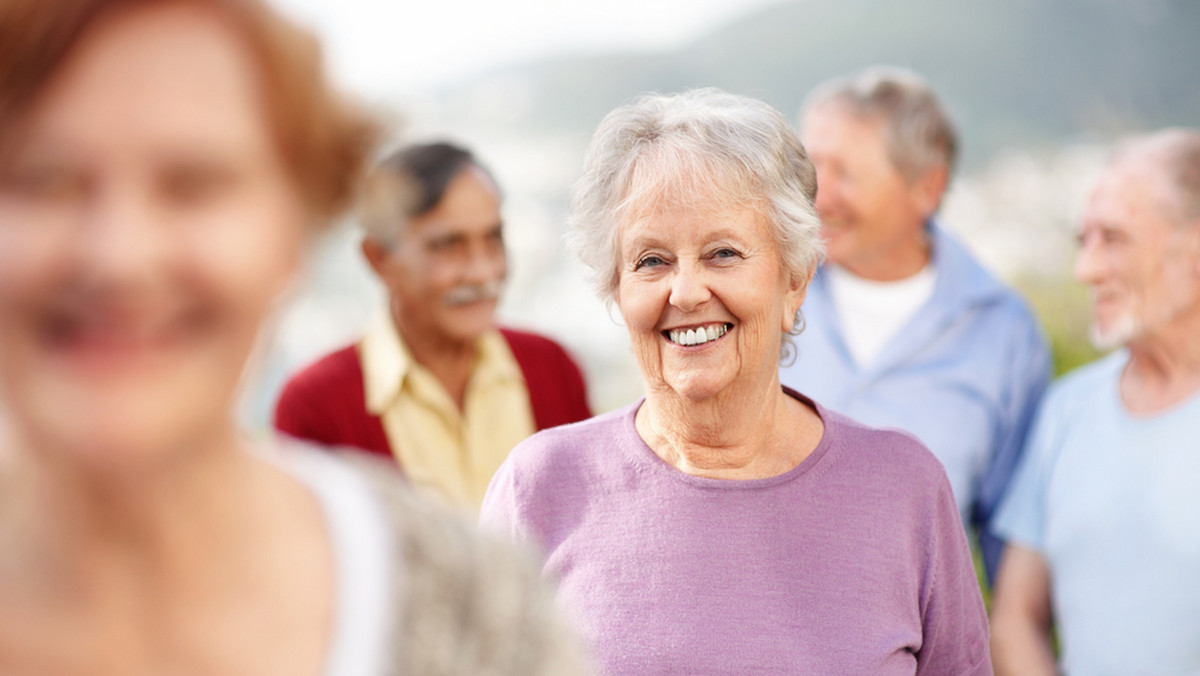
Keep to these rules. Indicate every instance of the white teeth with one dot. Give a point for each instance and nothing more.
(688, 337)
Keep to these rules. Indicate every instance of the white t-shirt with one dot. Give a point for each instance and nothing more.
(872, 312)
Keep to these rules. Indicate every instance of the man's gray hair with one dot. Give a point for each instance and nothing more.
(410, 182)
(1176, 152)
(706, 149)
(919, 133)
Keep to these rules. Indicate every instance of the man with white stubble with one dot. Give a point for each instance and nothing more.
(1103, 519)
(905, 328)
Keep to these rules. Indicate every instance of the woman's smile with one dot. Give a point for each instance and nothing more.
(698, 335)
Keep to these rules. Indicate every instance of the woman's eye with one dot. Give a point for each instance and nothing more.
(48, 184)
(648, 262)
(725, 253)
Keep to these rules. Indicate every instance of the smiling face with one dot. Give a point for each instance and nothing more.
(872, 216)
(705, 297)
(1143, 268)
(146, 225)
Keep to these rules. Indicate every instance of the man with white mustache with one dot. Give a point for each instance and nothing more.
(1103, 519)
(434, 383)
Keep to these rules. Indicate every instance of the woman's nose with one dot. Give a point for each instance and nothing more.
(689, 288)
(122, 238)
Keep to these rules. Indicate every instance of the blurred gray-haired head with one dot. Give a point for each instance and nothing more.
(411, 182)
(919, 133)
(704, 148)
(1175, 152)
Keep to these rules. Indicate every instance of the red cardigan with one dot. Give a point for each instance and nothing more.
(326, 402)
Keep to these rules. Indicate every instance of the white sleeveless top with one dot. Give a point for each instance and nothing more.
(364, 551)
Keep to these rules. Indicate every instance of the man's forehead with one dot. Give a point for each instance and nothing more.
(433, 227)
(840, 115)
(1127, 198)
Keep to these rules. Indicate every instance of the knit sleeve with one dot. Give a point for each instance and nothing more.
(954, 621)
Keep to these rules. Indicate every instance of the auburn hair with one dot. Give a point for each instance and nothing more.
(324, 139)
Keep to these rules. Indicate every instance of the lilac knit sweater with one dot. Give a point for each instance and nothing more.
(854, 562)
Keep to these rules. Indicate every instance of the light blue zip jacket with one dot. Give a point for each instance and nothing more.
(964, 375)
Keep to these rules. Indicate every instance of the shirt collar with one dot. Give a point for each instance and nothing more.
(387, 362)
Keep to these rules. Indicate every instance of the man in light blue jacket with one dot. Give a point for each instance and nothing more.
(904, 327)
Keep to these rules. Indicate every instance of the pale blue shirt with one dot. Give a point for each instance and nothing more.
(1111, 503)
(964, 374)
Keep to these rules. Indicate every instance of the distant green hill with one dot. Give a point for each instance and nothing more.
(1027, 72)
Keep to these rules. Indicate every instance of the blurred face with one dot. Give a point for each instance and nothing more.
(1143, 269)
(872, 217)
(447, 267)
(706, 299)
(146, 224)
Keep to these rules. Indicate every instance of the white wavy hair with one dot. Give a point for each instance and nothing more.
(704, 148)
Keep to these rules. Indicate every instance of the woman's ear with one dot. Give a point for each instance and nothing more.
(794, 298)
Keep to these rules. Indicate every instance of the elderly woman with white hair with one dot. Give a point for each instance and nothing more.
(724, 523)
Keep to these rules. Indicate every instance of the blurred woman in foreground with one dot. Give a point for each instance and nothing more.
(162, 166)
(725, 524)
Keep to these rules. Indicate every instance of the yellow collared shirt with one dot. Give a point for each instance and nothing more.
(451, 453)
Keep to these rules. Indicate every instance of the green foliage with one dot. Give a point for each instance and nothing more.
(1062, 306)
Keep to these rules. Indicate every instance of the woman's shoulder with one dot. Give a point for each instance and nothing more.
(577, 441)
(886, 453)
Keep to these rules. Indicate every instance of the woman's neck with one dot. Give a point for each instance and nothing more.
(735, 435)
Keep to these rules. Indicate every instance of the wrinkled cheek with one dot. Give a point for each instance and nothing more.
(28, 265)
(499, 268)
(759, 339)
(648, 353)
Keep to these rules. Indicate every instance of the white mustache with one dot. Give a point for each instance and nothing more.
(472, 293)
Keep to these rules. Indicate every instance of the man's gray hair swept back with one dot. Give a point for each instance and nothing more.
(919, 133)
(704, 148)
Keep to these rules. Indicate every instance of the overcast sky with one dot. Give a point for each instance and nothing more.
(383, 47)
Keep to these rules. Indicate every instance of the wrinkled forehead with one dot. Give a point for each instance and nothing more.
(1133, 191)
